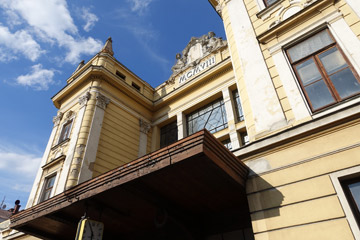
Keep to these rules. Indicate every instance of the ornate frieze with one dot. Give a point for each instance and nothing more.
(84, 99)
(102, 101)
(144, 126)
(57, 118)
(197, 49)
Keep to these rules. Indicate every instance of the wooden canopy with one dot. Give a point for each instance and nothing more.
(188, 190)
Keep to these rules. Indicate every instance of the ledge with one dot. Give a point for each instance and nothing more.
(54, 161)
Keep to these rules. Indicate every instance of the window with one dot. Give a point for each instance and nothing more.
(227, 143)
(137, 87)
(238, 109)
(122, 76)
(269, 2)
(168, 134)
(324, 74)
(352, 192)
(212, 117)
(65, 132)
(244, 138)
(48, 186)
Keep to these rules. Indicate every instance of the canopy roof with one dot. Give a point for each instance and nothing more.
(190, 189)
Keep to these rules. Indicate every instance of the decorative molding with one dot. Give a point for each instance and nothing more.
(102, 101)
(57, 118)
(70, 114)
(197, 49)
(96, 77)
(108, 47)
(144, 126)
(84, 99)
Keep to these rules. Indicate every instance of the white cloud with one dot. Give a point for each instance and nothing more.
(52, 22)
(22, 164)
(18, 42)
(39, 78)
(89, 18)
(139, 6)
(12, 18)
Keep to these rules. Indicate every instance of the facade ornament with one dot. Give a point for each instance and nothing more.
(195, 51)
(102, 101)
(219, 7)
(96, 77)
(108, 47)
(69, 114)
(81, 64)
(144, 126)
(57, 118)
(180, 63)
(84, 99)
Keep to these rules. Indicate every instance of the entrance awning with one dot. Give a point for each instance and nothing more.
(188, 190)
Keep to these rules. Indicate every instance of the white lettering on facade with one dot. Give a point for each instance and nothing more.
(196, 70)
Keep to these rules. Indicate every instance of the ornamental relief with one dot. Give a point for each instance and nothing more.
(102, 101)
(283, 10)
(196, 50)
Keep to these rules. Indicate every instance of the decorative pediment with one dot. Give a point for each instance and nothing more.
(197, 48)
(284, 14)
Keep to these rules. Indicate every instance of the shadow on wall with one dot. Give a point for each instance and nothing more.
(264, 199)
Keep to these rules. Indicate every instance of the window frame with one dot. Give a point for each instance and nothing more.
(351, 201)
(337, 178)
(227, 143)
(238, 106)
(168, 129)
(45, 189)
(224, 125)
(325, 77)
(267, 4)
(62, 136)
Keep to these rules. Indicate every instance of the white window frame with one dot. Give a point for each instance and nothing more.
(71, 120)
(336, 179)
(348, 43)
(42, 187)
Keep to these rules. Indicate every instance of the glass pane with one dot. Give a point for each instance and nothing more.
(308, 71)
(212, 117)
(319, 95)
(50, 182)
(310, 45)
(355, 192)
(269, 2)
(239, 112)
(345, 83)
(332, 60)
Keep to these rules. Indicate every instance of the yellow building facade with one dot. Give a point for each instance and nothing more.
(282, 93)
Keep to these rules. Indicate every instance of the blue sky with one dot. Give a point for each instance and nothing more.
(41, 44)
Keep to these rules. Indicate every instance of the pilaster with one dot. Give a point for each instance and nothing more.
(144, 130)
(251, 72)
(230, 115)
(77, 144)
(87, 165)
(181, 124)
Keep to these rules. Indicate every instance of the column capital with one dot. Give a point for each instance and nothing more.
(84, 99)
(102, 101)
(57, 118)
(144, 126)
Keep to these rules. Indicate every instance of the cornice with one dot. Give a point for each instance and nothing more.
(279, 26)
(92, 73)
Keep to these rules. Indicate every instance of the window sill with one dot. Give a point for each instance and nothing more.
(355, 100)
